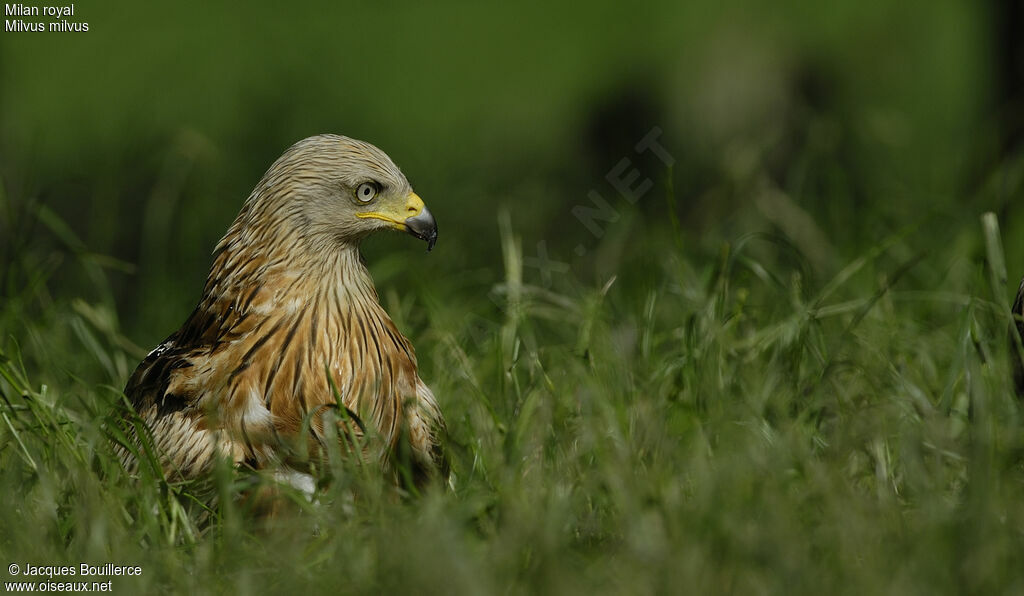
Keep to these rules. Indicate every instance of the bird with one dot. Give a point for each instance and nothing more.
(289, 347)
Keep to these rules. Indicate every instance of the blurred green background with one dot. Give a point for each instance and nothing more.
(146, 133)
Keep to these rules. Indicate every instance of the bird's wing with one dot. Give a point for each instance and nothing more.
(171, 420)
(426, 435)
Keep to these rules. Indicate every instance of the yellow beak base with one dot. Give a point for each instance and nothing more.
(414, 218)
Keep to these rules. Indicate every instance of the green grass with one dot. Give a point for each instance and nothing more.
(712, 415)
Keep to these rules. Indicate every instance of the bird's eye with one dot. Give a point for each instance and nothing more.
(367, 191)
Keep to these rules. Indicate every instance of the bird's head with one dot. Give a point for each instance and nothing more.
(330, 186)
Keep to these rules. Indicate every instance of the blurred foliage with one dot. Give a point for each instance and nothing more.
(147, 132)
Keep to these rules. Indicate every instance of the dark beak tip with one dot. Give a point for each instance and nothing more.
(423, 227)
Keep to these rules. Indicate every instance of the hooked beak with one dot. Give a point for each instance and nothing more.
(423, 227)
(418, 220)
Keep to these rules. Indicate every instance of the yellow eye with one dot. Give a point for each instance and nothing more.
(366, 192)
